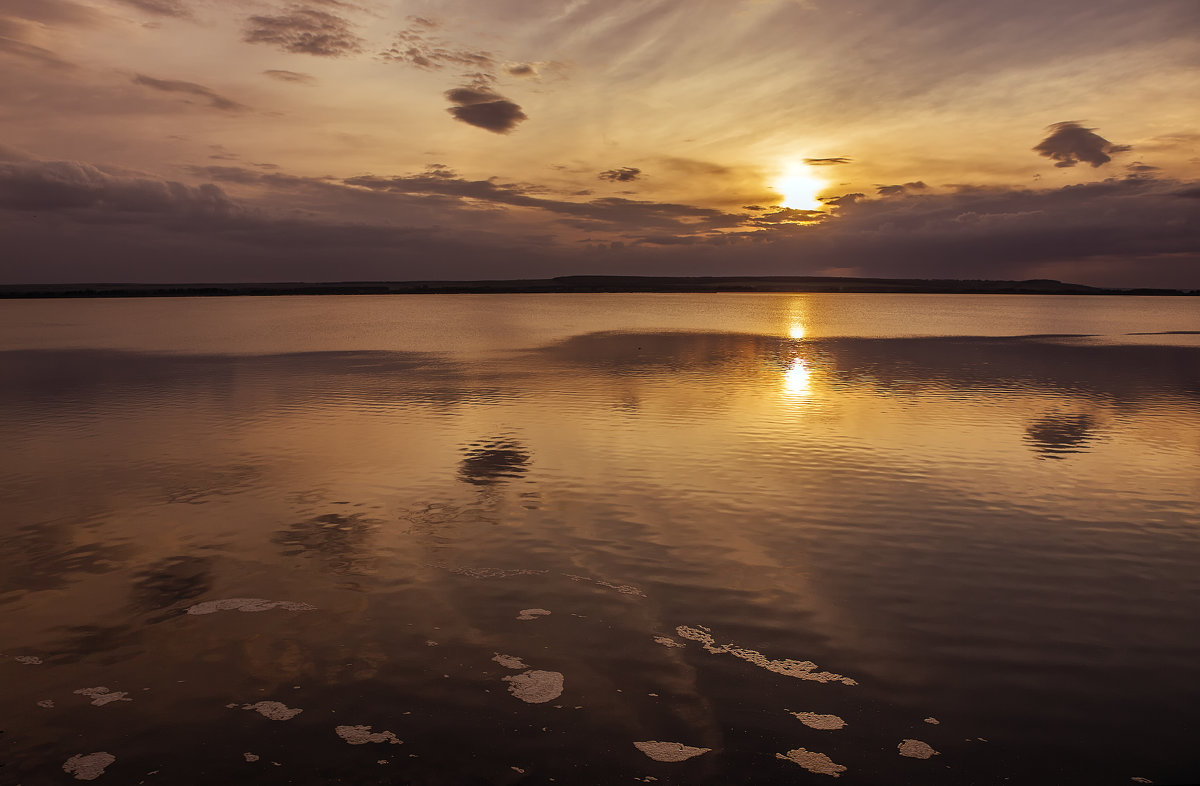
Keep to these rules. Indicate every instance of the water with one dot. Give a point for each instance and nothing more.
(883, 508)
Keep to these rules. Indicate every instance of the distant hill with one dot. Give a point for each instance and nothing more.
(581, 284)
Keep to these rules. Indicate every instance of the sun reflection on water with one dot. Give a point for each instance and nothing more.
(796, 330)
(797, 379)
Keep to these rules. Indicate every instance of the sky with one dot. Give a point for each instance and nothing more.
(346, 140)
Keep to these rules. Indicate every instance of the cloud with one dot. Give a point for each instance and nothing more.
(904, 188)
(621, 175)
(34, 54)
(609, 213)
(290, 76)
(828, 161)
(483, 108)
(521, 69)
(52, 12)
(304, 30)
(160, 7)
(415, 46)
(190, 88)
(31, 185)
(1069, 143)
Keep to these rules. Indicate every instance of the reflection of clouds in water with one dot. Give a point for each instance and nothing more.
(1058, 434)
(201, 485)
(47, 556)
(93, 642)
(336, 538)
(487, 462)
(171, 581)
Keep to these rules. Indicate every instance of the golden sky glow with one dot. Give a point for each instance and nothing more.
(468, 139)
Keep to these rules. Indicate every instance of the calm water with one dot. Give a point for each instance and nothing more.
(792, 530)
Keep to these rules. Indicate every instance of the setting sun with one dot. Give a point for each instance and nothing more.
(799, 189)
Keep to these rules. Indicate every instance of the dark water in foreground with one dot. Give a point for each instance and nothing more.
(789, 529)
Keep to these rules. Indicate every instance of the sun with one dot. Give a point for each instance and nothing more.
(799, 189)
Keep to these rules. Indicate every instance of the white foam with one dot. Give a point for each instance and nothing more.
(88, 767)
(274, 710)
(813, 762)
(361, 735)
(532, 614)
(815, 721)
(669, 751)
(247, 605)
(102, 695)
(536, 687)
(510, 662)
(800, 669)
(915, 749)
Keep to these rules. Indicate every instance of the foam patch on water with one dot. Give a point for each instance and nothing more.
(933, 721)
(915, 749)
(813, 762)
(800, 669)
(510, 662)
(102, 695)
(624, 589)
(88, 767)
(496, 573)
(361, 735)
(274, 710)
(666, 641)
(532, 614)
(816, 721)
(1136, 779)
(669, 751)
(247, 605)
(250, 757)
(28, 660)
(46, 703)
(536, 687)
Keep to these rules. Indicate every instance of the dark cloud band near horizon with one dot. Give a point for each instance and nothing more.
(1099, 233)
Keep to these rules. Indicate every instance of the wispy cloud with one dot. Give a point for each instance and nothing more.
(290, 76)
(215, 100)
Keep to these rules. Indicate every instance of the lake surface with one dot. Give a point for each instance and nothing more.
(523, 537)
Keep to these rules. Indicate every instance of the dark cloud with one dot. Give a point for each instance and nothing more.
(34, 54)
(521, 69)
(483, 108)
(621, 174)
(903, 188)
(290, 76)
(416, 46)
(190, 88)
(66, 185)
(84, 222)
(827, 161)
(615, 212)
(1069, 143)
(160, 7)
(304, 30)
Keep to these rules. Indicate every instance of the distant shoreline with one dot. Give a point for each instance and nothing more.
(585, 285)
